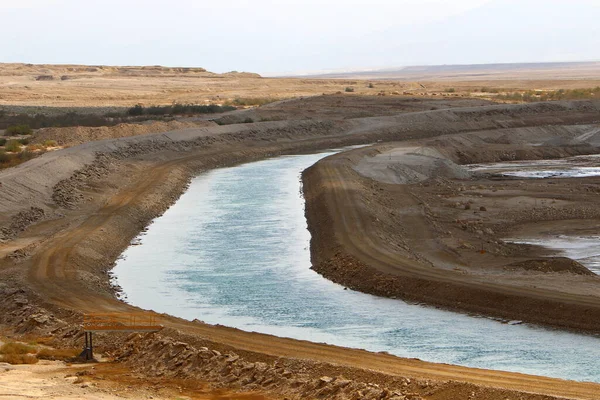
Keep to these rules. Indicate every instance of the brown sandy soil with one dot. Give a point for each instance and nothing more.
(56, 380)
(72, 212)
(106, 86)
(75, 135)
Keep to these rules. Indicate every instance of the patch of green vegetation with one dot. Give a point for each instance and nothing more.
(136, 110)
(250, 101)
(489, 90)
(49, 143)
(11, 159)
(13, 146)
(450, 90)
(551, 95)
(21, 129)
(36, 121)
(178, 109)
(36, 118)
(272, 119)
(349, 89)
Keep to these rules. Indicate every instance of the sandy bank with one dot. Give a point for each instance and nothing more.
(407, 221)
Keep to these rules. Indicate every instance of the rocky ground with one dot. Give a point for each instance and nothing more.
(67, 215)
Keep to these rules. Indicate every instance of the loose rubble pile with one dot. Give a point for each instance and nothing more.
(21, 221)
(162, 356)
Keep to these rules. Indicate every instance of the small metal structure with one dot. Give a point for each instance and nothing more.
(115, 322)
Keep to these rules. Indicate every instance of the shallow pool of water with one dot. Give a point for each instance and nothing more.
(585, 249)
(572, 167)
(234, 250)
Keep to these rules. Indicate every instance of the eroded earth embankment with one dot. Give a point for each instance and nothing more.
(406, 220)
(66, 216)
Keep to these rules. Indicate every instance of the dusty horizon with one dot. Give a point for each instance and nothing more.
(310, 35)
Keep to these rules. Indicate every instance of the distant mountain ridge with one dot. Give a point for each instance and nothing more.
(56, 71)
(543, 70)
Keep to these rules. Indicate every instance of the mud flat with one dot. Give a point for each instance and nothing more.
(575, 239)
(66, 217)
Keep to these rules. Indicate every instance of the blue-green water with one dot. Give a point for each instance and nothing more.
(234, 250)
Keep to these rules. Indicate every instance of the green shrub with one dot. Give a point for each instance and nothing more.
(21, 129)
(450, 90)
(25, 155)
(371, 86)
(36, 121)
(248, 120)
(349, 89)
(49, 143)
(4, 158)
(138, 109)
(2, 141)
(178, 109)
(158, 110)
(250, 101)
(551, 95)
(13, 146)
(23, 141)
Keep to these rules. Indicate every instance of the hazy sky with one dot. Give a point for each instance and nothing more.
(272, 37)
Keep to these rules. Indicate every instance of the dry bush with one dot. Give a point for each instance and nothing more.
(250, 101)
(20, 359)
(35, 340)
(16, 348)
(49, 143)
(57, 354)
(35, 147)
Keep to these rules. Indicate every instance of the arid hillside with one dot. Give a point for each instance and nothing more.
(104, 86)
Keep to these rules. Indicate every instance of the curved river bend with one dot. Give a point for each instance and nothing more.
(234, 250)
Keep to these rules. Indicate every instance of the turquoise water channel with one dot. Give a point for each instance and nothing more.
(234, 250)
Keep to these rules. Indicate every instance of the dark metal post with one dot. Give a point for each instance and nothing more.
(91, 355)
(88, 349)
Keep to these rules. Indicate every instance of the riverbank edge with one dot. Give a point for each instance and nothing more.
(331, 259)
